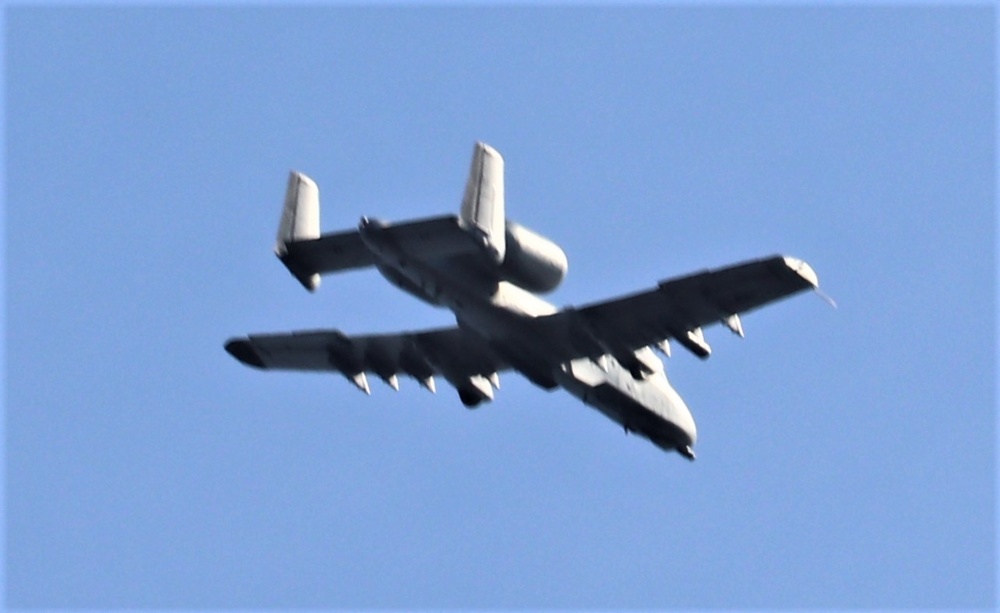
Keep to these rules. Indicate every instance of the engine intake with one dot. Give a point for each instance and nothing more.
(532, 261)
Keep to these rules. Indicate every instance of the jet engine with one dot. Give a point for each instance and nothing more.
(532, 261)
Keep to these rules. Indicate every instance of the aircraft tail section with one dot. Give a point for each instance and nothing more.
(483, 203)
(299, 222)
(300, 215)
(307, 254)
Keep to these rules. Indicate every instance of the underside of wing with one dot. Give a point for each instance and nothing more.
(677, 309)
(461, 358)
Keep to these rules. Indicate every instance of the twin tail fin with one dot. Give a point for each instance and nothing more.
(482, 210)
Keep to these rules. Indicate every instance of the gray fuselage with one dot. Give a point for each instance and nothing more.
(501, 313)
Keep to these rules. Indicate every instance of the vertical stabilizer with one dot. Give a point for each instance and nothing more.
(299, 222)
(300, 216)
(482, 205)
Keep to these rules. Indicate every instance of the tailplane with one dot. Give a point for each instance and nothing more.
(483, 203)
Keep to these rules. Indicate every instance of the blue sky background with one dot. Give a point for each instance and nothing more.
(847, 458)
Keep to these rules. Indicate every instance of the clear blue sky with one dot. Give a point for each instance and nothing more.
(847, 458)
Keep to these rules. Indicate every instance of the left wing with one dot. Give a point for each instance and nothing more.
(677, 309)
(462, 358)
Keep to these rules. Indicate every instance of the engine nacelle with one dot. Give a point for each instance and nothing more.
(532, 261)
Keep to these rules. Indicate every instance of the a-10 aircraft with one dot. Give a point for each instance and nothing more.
(487, 270)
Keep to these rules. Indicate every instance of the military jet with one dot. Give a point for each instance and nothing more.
(488, 270)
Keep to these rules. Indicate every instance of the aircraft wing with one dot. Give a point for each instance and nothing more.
(676, 309)
(457, 355)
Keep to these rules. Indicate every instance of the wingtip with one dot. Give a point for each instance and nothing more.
(803, 269)
(243, 350)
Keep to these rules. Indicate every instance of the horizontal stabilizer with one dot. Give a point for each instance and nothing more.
(334, 252)
(429, 239)
(425, 240)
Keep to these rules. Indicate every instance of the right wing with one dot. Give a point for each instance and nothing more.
(463, 359)
(676, 309)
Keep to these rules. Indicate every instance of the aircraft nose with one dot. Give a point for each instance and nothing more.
(683, 419)
(687, 426)
(680, 416)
